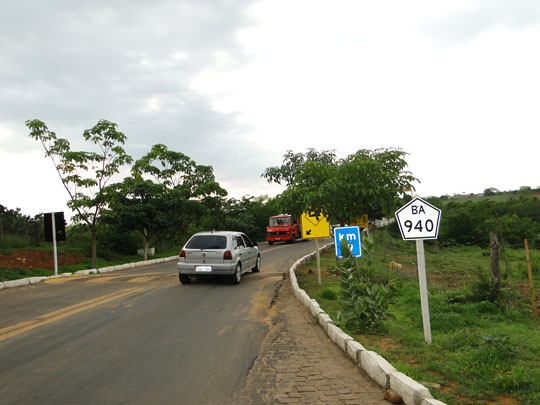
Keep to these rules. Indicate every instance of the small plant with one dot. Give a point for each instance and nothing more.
(496, 350)
(365, 301)
(328, 294)
(484, 289)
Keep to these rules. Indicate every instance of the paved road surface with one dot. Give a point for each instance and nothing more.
(136, 336)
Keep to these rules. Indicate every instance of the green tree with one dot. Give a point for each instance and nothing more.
(293, 162)
(525, 190)
(86, 175)
(190, 190)
(139, 205)
(249, 215)
(490, 191)
(366, 182)
(18, 228)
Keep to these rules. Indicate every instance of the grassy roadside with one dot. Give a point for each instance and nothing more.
(483, 352)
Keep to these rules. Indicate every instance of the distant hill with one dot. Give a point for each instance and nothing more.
(492, 194)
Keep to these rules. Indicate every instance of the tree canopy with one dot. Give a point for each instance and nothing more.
(85, 174)
(366, 182)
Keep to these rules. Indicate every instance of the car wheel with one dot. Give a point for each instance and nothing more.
(184, 279)
(235, 279)
(270, 243)
(257, 265)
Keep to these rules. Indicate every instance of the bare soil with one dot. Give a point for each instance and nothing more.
(37, 259)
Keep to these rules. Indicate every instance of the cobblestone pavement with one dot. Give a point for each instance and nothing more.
(299, 364)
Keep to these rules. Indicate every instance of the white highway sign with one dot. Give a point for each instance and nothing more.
(418, 219)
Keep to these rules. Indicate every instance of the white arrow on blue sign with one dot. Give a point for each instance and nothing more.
(352, 234)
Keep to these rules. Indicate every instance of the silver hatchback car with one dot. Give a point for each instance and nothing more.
(208, 254)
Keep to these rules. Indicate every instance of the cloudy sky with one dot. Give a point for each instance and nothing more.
(236, 83)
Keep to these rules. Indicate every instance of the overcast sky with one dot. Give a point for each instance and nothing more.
(236, 83)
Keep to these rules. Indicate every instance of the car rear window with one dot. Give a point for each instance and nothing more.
(207, 242)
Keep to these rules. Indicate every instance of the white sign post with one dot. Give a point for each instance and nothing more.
(419, 220)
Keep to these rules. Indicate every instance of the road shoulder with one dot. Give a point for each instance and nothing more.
(299, 364)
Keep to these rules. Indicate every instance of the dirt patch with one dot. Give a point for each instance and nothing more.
(37, 259)
(504, 400)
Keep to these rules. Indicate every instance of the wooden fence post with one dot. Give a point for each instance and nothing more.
(531, 285)
(495, 268)
(507, 264)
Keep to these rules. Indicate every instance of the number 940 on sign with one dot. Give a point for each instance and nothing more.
(420, 225)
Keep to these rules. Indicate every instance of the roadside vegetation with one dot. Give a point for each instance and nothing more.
(486, 345)
(23, 252)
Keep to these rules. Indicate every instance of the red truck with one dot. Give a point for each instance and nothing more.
(283, 227)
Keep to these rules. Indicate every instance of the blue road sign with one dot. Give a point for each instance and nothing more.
(352, 234)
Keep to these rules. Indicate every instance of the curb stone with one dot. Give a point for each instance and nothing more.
(377, 368)
(354, 350)
(16, 283)
(411, 391)
(34, 280)
(332, 331)
(341, 340)
(315, 309)
(324, 320)
(380, 370)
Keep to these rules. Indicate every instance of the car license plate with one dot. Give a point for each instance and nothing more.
(278, 238)
(203, 268)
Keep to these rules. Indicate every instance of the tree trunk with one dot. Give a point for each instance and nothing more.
(495, 267)
(145, 235)
(94, 249)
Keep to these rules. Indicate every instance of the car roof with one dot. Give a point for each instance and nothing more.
(224, 233)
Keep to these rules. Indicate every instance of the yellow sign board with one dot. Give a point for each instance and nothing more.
(361, 222)
(315, 225)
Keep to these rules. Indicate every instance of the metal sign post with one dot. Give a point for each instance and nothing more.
(419, 220)
(55, 253)
(54, 230)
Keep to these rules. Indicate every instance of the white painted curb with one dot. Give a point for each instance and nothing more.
(373, 364)
(411, 391)
(34, 280)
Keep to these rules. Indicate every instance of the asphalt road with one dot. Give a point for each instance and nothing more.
(136, 336)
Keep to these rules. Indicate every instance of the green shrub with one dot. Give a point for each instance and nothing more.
(14, 242)
(328, 294)
(484, 290)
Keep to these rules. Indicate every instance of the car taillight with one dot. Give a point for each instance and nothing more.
(227, 255)
(182, 255)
